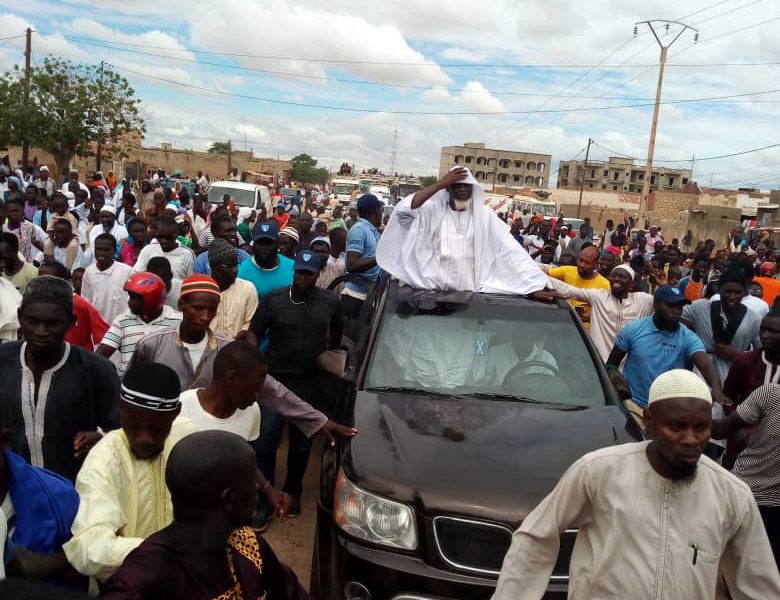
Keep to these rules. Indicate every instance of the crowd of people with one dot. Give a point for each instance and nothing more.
(154, 347)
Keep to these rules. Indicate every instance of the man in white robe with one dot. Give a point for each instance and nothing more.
(444, 237)
(657, 520)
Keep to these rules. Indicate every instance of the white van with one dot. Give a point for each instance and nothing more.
(249, 195)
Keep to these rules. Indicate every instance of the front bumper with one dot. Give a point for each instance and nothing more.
(389, 575)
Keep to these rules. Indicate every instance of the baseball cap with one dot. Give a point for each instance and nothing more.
(307, 261)
(669, 295)
(678, 383)
(267, 230)
(368, 201)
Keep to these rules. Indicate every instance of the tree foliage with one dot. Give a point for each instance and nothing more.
(427, 180)
(304, 170)
(72, 108)
(219, 148)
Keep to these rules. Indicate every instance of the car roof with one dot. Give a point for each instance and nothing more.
(236, 185)
(460, 297)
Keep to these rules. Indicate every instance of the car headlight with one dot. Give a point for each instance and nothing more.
(368, 517)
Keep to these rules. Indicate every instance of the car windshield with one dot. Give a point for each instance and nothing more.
(240, 197)
(484, 347)
(546, 210)
(343, 189)
(289, 192)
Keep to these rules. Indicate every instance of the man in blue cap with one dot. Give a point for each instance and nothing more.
(362, 241)
(301, 321)
(660, 343)
(268, 270)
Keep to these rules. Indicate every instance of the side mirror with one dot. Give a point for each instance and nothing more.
(621, 386)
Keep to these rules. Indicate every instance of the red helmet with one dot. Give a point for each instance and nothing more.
(767, 269)
(150, 287)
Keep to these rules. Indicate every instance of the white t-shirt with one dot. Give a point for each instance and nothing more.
(245, 423)
(196, 350)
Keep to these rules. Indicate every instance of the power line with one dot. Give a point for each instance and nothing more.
(13, 37)
(119, 46)
(728, 12)
(684, 160)
(409, 112)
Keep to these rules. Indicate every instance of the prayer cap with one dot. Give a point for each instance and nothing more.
(220, 249)
(267, 230)
(321, 239)
(172, 206)
(195, 284)
(153, 386)
(627, 269)
(49, 290)
(679, 383)
(307, 261)
(291, 232)
(43, 169)
(108, 209)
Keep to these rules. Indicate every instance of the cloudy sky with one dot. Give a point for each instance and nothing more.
(337, 78)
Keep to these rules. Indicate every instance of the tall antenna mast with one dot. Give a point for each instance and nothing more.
(392, 159)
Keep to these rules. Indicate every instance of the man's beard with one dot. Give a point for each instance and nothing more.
(461, 205)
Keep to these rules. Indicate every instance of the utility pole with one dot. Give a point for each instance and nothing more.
(392, 158)
(651, 144)
(99, 157)
(582, 181)
(27, 79)
(229, 157)
(693, 164)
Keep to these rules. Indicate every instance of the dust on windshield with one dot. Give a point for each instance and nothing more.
(240, 197)
(473, 349)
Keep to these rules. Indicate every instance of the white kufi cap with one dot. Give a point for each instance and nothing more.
(679, 383)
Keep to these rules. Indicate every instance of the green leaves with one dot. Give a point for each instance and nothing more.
(71, 108)
(304, 170)
(219, 148)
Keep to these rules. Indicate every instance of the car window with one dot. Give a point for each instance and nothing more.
(485, 349)
(240, 197)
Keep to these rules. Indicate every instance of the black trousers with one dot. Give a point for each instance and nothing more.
(771, 517)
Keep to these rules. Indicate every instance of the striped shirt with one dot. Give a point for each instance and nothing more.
(127, 329)
(758, 465)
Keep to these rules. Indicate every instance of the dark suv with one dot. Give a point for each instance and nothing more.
(470, 407)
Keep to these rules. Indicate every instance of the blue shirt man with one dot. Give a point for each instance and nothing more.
(362, 241)
(659, 343)
(202, 266)
(267, 270)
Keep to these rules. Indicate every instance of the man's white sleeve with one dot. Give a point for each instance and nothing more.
(531, 558)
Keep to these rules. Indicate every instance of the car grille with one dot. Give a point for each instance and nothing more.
(480, 546)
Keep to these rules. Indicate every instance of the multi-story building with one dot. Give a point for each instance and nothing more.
(504, 168)
(618, 175)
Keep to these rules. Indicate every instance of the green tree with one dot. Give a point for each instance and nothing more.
(219, 148)
(72, 107)
(304, 170)
(427, 180)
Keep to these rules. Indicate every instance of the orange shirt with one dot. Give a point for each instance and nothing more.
(771, 287)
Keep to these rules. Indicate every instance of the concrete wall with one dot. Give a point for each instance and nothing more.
(190, 162)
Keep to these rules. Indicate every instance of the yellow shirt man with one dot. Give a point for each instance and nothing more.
(571, 275)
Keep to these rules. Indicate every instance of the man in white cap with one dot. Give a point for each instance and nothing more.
(107, 224)
(657, 520)
(103, 284)
(44, 182)
(610, 309)
(444, 237)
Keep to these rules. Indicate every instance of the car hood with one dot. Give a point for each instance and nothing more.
(494, 459)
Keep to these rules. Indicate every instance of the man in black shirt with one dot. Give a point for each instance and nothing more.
(54, 396)
(301, 321)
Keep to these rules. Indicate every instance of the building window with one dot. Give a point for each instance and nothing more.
(469, 159)
(516, 178)
(518, 164)
(540, 181)
(652, 179)
(603, 186)
(616, 176)
(479, 175)
(671, 181)
(503, 163)
(541, 167)
(481, 161)
(614, 188)
(529, 180)
(531, 166)
(641, 176)
(590, 185)
(458, 158)
(606, 173)
(502, 177)
(593, 173)
(685, 181)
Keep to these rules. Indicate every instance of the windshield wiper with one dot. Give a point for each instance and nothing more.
(525, 400)
(410, 390)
